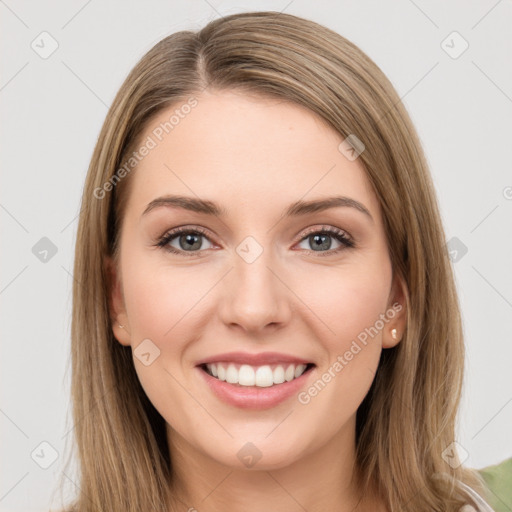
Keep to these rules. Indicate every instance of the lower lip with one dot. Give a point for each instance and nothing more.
(254, 397)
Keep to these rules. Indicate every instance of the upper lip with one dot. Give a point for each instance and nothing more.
(260, 359)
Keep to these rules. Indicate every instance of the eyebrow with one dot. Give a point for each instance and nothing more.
(295, 209)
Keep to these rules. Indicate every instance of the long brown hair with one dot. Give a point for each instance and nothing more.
(407, 420)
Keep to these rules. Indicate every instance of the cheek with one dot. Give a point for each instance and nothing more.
(352, 306)
(161, 301)
(163, 305)
(348, 300)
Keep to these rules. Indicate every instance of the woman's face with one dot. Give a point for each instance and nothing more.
(266, 272)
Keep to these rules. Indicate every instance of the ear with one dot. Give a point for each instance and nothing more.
(397, 312)
(118, 316)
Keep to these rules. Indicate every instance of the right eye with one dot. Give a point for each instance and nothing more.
(184, 240)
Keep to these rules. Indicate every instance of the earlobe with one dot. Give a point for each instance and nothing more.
(118, 317)
(393, 332)
(392, 338)
(121, 334)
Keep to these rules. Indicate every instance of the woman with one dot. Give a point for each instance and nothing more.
(264, 312)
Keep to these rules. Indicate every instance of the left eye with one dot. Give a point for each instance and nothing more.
(187, 241)
(321, 241)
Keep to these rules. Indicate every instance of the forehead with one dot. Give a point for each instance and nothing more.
(245, 152)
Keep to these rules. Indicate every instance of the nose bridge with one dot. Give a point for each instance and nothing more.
(254, 296)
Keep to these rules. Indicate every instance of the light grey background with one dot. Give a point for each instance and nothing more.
(52, 111)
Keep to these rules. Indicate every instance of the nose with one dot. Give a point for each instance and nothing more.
(255, 298)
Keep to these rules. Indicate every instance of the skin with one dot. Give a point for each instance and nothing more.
(254, 157)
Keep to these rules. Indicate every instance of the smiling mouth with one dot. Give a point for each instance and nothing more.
(244, 375)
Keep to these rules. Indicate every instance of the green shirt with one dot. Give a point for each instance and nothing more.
(498, 479)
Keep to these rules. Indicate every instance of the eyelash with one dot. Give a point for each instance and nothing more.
(338, 234)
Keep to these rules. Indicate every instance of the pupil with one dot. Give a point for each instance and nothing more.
(321, 241)
(189, 241)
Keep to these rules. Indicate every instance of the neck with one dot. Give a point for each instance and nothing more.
(322, 479)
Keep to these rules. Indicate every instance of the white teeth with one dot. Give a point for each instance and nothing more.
(264, 376)
(298, 372)
(247, 377)
(278, 375)
(261, 376)
(231, 375)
